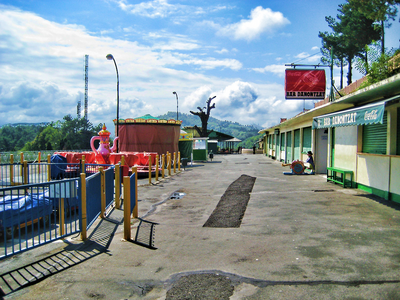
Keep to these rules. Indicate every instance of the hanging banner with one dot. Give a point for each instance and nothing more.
(305, 84)
(364, 115)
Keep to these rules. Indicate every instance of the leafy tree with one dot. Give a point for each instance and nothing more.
(373, 53)
(333, 41)
(382, 68)
(353, 31)
(14, 137)
(49, 137)
(76, 133)
(379, 11)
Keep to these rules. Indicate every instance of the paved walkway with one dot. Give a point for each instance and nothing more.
(300, 238)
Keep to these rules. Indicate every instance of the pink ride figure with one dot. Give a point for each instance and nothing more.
(102, 154)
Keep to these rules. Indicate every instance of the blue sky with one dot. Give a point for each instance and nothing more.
(234, 50)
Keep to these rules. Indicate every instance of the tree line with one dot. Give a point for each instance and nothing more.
(68, 134)
(358, 37)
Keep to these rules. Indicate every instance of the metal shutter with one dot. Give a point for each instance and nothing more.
(375, 137)
(307, 139)
(398, 132)
(289, 147)
(297, 144)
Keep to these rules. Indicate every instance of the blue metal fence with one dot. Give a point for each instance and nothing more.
(30, 173)
(109, 177)
(32, 215)
(11, 174)
(43, 211)
(93, 198)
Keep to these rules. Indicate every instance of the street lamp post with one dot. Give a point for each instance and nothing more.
(110, 57)
(177, 114)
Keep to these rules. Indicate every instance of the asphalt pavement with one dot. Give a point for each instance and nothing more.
(300, 238)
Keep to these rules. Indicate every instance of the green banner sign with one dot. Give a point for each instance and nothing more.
(367, 114)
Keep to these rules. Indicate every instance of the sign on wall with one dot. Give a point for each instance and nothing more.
(364, 115)
(305, 84)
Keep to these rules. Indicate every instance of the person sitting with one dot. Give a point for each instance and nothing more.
(297, 166)
(311, 163)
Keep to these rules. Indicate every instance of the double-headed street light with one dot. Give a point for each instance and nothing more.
(177, 114)
(110, 57)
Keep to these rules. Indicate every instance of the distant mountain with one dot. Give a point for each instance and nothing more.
(25, 124)
(247, 133)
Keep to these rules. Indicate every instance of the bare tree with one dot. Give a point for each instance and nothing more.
(204, 117)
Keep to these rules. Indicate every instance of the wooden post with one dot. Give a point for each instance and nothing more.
(117, 185)
(169, 164)
(157, 166)
(149, 169)
(83, 207)
(39, 160)
(48, 167)
(163, 165)
(25, 173)
(83, 168)
(127, 209)
(103, 194)
(135, 212)
(22, 164)
(179, 161)
(123, 164)
(62, 217)
(174, 162)
(12, 169)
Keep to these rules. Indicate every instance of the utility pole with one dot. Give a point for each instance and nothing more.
(86, 85)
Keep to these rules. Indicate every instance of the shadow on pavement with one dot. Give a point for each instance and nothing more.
(383, 201)
(72, 255)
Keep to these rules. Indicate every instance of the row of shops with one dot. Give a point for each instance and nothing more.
(359, 132)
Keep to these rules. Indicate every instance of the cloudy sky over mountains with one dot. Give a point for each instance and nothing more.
(234, 50)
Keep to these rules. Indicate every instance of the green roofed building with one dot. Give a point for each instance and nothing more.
(355, 139)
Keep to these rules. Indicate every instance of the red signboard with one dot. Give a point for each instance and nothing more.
(305, 84)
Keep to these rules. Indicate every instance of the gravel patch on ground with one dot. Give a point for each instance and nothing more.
(232, 206)
(201, 286)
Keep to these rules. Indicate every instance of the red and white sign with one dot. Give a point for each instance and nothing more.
(305, 84)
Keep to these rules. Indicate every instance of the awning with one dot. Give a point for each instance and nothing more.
(363, 115)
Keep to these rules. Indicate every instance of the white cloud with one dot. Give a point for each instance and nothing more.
(175, 45)
(212, 63)
(25, 101)
(305, 57)
(222, 51)
(244, 102)
(43, 61)
(276, 69)
(260, 21)
(197, 98)
(42, 78)
(163, 9)
(151, 9)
